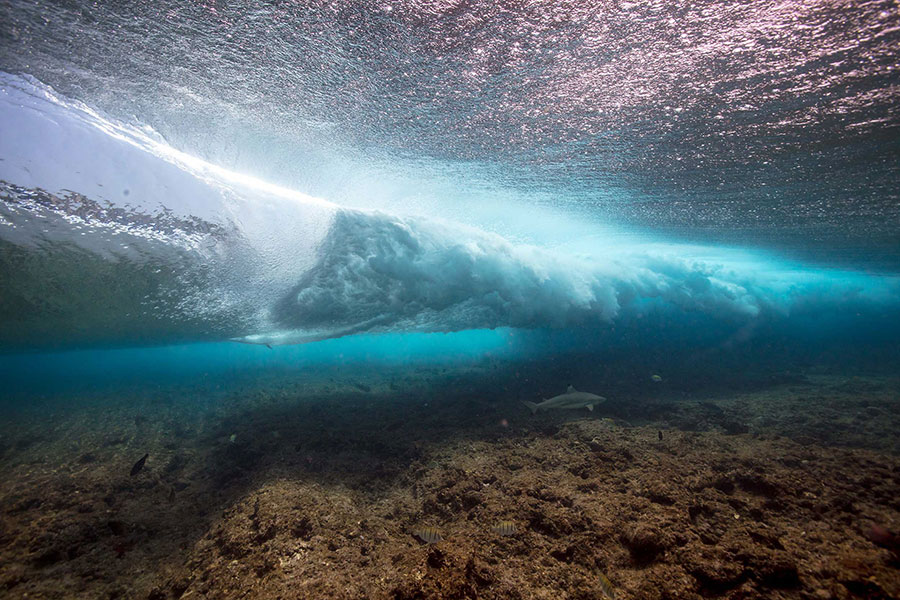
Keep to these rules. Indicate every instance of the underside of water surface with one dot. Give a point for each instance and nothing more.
(280, 282)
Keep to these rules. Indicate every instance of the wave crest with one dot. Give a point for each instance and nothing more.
(382, 273)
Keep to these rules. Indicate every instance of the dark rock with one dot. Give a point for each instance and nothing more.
(767, 540)
(756, 484)
(734, 428)
(117, 527)
(724, 485)
(266, 533)
(714, 578)
(864, 588)
(176, 463)
(564, 554)
(780, 572)
(302, 529)
(644, 543)
(550, 525)
(48, 557)
(478, 573)
(179, 587)
(157, 594)
(436, 559)
(660, 497)
(696, 511)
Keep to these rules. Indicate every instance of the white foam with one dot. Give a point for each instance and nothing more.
(383, 273)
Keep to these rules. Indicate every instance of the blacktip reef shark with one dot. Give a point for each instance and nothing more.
(571, 399)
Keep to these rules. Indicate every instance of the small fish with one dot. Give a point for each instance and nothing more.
(505, 528)
(659, 433)
(605, 586)
(571, 399)
(429, 535)
(656, 378)
(139, 465)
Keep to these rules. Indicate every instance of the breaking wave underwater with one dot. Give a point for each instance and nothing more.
(113, 238)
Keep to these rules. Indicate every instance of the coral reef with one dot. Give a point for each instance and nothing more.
(317, 495)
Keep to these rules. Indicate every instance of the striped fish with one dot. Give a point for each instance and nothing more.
(605, 586)
(429, 535)
(505, 528)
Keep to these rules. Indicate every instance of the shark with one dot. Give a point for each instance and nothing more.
(571, 399)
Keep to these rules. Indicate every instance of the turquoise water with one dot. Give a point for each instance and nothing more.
(51, 374)
(693, 354)
(603, 183)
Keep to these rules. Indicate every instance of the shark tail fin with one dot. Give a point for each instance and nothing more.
(531, 405)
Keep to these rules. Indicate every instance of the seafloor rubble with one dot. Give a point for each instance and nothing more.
(788, 490)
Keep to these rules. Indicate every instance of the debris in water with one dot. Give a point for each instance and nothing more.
(656, 378)
(139, 465)
(605, 586)
(232, 437)
(505, 528)
(429, 535)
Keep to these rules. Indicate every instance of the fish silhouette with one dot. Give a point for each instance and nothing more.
(139, 465)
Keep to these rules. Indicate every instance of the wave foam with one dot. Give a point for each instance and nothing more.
(378, 273)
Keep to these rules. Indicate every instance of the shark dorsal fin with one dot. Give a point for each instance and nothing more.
(571, 389)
